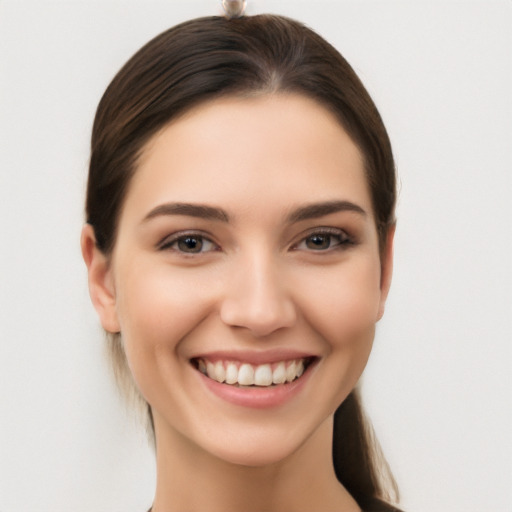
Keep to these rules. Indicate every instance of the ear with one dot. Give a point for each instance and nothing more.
(386, 270)
(101, 283)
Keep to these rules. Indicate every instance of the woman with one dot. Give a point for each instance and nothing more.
(240, 219)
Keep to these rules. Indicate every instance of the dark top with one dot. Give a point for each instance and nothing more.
(378, 506)
(373, 506)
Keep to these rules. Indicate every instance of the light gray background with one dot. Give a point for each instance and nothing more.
(438, 385)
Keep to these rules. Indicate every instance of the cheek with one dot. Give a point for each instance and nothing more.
(344, 314)
(157, 308)
(343, 305)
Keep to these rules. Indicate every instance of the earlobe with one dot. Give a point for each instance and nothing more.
(386, 270)
(101, 285)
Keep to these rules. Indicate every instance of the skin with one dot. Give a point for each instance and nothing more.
(260, 282)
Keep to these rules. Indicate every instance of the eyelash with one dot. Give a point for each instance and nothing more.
(343, 240)
(168, 243)
(326, 234)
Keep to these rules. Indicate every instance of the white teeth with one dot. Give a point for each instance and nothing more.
(279, 374)
(210, 370)
(300, 368)
(263, 375)
(291, 371)
(231, 373)
(220, 372)
(246, 375)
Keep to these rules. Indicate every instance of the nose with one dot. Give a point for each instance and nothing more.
(257, 298)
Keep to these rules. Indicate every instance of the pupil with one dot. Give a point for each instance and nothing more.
(190, 244)
(319, 242)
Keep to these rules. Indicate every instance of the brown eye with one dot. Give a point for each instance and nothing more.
(318, 242)
(191, 244)
(324, 241)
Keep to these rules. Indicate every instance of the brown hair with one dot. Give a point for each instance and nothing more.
(207, 58)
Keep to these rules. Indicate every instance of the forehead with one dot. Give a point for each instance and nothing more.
(285, 148)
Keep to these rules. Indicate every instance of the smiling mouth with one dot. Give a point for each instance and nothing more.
(240, 374)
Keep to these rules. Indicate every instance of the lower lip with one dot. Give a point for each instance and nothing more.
(257, 397)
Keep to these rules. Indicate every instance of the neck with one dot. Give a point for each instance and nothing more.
(191, 479)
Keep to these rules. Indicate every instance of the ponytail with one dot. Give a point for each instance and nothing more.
(358, 460)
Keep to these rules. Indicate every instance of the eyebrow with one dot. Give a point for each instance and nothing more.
(191, 210)
(310, 211)
(315, 210)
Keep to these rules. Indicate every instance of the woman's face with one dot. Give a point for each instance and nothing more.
(247, 252)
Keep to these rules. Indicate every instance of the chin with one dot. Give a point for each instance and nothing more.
(260, 455)
(262, 446)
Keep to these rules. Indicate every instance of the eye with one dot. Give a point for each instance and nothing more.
(324, 240)
(191, 243)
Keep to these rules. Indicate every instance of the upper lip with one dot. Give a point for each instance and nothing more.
(254, 357)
